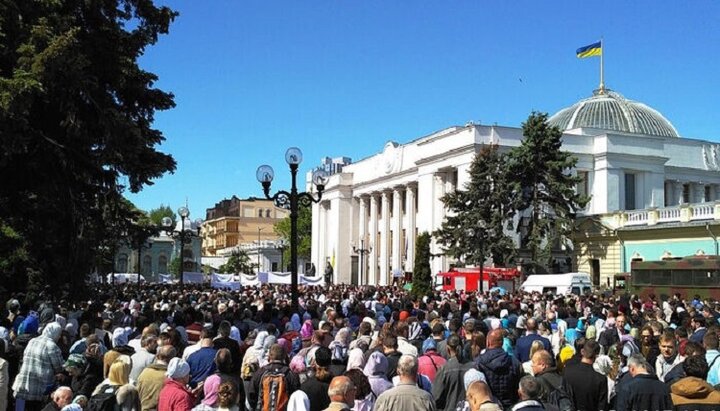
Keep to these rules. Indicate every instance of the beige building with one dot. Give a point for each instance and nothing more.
(233, 222)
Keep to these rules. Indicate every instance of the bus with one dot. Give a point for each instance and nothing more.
(688, 276)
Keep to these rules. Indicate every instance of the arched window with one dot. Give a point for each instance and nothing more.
(146, 265)
(122, 263)
(260, 212)
(267, 213)
(162, 264)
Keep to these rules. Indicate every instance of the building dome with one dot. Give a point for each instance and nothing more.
(609, 110)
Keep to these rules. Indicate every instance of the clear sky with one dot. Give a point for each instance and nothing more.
(341, 78)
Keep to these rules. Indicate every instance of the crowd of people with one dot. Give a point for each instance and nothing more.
(167, 348)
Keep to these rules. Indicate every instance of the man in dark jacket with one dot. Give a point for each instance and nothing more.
(645, 391)
(448, 387)
(390, 350)
(529, 393)
(501, 370)
(549, 379)
(589, 387)
(522, 347)
(277, 357)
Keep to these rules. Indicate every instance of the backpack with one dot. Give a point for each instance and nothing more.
(560, 398)
(274, 395)
(105, 400)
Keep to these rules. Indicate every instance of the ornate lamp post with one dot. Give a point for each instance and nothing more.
(184, 213)
(362, 250)
(290, 201)
(281, 245)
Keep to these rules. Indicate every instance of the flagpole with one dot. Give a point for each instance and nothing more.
(602, 71)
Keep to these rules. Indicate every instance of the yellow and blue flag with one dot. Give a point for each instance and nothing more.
(591, 50)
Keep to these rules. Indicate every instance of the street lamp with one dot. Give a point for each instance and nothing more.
(290, 201)
(184, 213)
(282, 245)
(258, 250)
(362, 251)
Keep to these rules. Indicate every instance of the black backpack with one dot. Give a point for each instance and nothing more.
(560, 397)
(105, 400)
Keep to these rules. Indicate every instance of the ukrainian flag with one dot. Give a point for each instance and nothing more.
(592, 50)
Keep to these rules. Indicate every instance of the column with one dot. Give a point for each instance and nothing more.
(410, 226)
(373, 260)
(669, 195)
(384, 237)
(397, 245)
(362, 235)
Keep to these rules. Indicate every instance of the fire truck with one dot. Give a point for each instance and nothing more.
(468, 278)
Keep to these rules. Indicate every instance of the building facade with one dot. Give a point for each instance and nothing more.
(233, 222)
(631, 160)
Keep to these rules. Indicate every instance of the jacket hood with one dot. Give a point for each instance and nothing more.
(495, 359)
(376, 364)
(691, 387)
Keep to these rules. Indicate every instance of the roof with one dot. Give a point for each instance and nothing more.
(609, 110)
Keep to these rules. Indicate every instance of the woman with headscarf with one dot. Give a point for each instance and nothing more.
(375, 369)
(299, 401)
(210, 391)
(120, 347)
(32, 381)
(118, 381)
(318, 382)
(364, 398)
(339, 348)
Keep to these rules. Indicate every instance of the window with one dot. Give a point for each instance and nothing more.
(629, 191)
(267, 213)
(708, 194)
(162, 264)
(706, 278)
(146, 265)
(122, 263)
(274, 267)
(686, 193)
(551, 290)
(582, 185)
(575, 290)
(260, 213)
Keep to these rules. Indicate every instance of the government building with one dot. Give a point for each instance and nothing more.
(652, 193)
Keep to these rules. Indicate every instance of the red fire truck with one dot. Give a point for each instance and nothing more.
(468, 278)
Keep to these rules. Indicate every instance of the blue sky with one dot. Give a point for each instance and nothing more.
(341, 78)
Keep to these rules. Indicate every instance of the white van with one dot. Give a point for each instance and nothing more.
(559, 284)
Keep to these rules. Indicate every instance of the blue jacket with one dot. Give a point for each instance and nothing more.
(522, 347)
(503, 373)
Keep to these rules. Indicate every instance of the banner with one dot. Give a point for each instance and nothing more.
(311, 280)
(165, 278)
(121, 278)
(193, 278)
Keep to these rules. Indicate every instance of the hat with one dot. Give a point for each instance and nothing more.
(76, 361)
(429, 344)
(471, 376)
(177, 368)
(404, 315)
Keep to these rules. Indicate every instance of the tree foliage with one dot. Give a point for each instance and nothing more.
(76, 114)
(304, 229)
(237, 263)
(156, 215)
(422, 276)
(543, 189)
(478, 214)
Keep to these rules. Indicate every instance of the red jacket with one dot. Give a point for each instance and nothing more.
(429, 363)
(175, 397)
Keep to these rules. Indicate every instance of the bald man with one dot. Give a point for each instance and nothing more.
(60, 397)
(522, 347)
(480, 398)
(342, 394)
(502, 371)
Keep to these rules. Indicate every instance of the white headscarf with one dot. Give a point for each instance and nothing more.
(52, 331)
(299, 401)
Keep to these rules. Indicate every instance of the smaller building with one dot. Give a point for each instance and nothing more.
(233, 222)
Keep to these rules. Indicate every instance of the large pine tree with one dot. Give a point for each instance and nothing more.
(543, 189)
(477, 214)
(76, 115)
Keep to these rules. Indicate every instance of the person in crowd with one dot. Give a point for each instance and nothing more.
(536, 346)
(224, 341)
(277, 366)
(649, 344)
(364, 398)
(406, 395)
(390, 349)
(83, 378)
(316, 385)
(126, 395)
(693, 393)
(202, 361)
(524, 343)
(60, 398)
(42, 361)
(549, 379)
(144, 355)
(668, 357)
(612, 335)
(712, 357)
(645, 391)
(152, 379)
(588, 387)
(529, 390)
(228, 397)
(175, 395)
(376, 371)
(430, 361)
(448, 387)
(502, 371)
(341, 392)
(404, 347)
(479, 397)
(210, 388)
(698, 325)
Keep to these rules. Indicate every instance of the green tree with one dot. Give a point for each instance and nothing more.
(157, 214)
(237, 263)
(304, 229)
(422, 276)
(543, 189)
(473, 228)
(174, 267)
(76, 115)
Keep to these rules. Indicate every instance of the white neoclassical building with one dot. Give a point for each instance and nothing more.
(629, 157)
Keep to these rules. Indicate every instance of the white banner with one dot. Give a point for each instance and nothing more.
(165, 278)
(249, 280)
(319, 280)
(121, 278)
